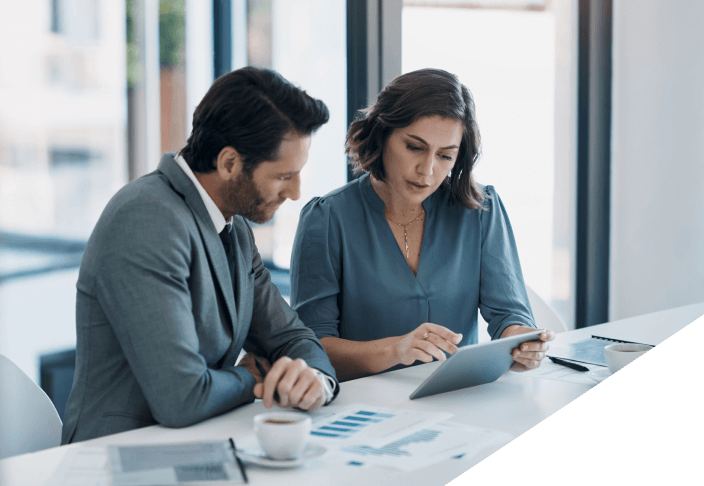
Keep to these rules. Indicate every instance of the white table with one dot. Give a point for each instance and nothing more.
(512, 404)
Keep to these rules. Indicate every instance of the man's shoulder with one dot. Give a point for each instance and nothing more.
(149, 195)
(146, 206)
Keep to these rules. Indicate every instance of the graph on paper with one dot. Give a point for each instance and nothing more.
(396, 448)
(429, 445)
(350, 424)
(363, 424)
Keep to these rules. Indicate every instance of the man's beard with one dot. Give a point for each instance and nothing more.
(243, 196)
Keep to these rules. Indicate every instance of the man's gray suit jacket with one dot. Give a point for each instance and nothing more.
(159, 325)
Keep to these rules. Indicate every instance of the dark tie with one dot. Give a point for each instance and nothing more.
(226, 239)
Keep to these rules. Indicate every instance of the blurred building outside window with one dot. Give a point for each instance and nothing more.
(518, 58)
(63, 118)
(73, 129)
(305, 41)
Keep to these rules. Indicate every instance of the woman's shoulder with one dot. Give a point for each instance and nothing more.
(487, 191)
(489, 197)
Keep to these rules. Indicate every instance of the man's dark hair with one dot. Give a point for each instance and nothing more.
(251, 110)
(422, 93)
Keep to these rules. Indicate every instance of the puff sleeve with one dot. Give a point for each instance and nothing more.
(316, 269)
(503, 300)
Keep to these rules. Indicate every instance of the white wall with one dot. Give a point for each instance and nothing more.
(657, 186)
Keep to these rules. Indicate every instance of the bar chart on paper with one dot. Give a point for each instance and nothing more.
(349, 425)
(363, 424)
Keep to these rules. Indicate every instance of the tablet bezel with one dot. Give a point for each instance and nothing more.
(474, 364)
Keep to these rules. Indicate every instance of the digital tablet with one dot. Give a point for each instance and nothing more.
(473, 365)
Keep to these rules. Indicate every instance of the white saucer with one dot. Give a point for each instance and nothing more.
(599, 375)
(258, 457)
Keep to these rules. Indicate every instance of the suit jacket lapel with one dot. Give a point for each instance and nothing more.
(211, 240)
(242, 271)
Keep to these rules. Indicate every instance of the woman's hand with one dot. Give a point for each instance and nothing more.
(528, 355)
(426, 342)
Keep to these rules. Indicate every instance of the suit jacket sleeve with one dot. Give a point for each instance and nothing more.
(276, 330)
(143, 289)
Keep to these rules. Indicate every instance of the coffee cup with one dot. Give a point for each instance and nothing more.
(619, 355)
(282, 435)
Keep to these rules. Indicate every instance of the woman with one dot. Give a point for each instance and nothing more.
(391, 268)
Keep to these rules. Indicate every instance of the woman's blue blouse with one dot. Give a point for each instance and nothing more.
(350, 279)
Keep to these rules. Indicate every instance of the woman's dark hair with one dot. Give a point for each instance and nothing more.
(426, 92)
(251, 110)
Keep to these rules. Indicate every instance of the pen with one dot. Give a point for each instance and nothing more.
(239, 461)
(262, 372)
(569, 364)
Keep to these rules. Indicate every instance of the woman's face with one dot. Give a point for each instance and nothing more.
(417, 158)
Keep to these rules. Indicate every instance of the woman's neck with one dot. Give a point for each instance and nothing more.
(395, 208)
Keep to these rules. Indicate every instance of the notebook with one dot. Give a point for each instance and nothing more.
(590, 350)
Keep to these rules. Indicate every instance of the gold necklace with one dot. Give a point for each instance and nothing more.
(405, 233)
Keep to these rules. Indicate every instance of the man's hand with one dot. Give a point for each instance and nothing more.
(426, 342)
(297, 383)
(528, 355)
(247, 362)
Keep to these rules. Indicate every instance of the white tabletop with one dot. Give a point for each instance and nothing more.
(512, 404)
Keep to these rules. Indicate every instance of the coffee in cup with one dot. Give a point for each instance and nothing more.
(282, 435)
(620, 354)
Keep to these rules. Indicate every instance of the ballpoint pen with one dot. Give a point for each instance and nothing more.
(239, 461)
(262, 372)
(568, 364)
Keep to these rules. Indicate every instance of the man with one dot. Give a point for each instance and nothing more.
(172, 287)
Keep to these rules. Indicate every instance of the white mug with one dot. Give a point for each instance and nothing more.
(620, 354)
(282, 435)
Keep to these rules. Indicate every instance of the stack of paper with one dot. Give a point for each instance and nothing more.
(209, 463)
(167, 464)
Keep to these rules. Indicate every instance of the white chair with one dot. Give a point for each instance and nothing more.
(545, 316)
(28, 419)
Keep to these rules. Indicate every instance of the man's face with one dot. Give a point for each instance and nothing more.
(257, 196)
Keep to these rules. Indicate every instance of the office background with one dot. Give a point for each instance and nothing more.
(591, 114)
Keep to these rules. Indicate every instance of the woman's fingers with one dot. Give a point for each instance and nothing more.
(531, 354)
(441, 331)
(528, 364)
(537, 355)
(430, 348)
(426, 342)
(547, 335)
(533, 346)
(420, 355)
(441, 343)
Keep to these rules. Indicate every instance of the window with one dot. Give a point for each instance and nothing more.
(62, 156)
(519, 61)
(305, 41)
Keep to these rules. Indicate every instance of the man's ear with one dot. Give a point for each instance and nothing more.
(228, 163)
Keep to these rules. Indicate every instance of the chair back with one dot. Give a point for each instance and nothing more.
(28, 419)
(545, 316)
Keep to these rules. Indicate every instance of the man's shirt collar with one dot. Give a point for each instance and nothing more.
(216, 216)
